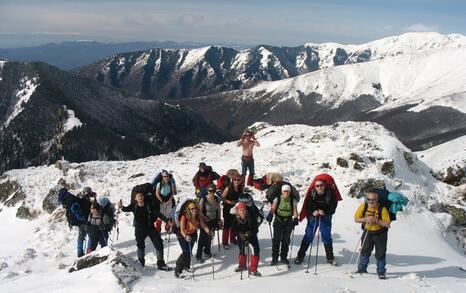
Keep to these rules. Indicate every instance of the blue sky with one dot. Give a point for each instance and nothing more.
(291, 22)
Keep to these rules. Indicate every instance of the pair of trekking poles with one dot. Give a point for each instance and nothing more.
(191, 265)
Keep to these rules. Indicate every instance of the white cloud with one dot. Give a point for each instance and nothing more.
(420, 27)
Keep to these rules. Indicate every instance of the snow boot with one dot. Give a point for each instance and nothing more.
(274, 262)
(329, 253)
(253, 265)
(241, 263)
(249, 180)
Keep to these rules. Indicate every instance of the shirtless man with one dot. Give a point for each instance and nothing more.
(247, 141)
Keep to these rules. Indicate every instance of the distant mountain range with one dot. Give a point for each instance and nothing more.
(314, 84)
(164, 74)
(72, 54)
(46, 113)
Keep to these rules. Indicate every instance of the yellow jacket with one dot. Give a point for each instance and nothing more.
(372, 212)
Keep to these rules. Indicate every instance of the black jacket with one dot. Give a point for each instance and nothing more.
(326, 202)
(144, 217)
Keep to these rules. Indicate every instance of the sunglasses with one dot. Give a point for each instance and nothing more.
(320, 185)
(211, 190)
(193, 209)
(236, 179)
(371, 200)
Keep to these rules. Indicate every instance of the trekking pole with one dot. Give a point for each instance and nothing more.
(248, 260)
(213, 255)
(191, 265)
(314, 230)
(317, 250)
(241, 269)
(218, 240)
(356, 248)
(168, 247)
(362, 244)
(291, 243)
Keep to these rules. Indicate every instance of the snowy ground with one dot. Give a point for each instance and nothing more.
(35, 255)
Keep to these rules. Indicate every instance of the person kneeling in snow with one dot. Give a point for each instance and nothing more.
(376, 221)
(245, 226)
(144, 226)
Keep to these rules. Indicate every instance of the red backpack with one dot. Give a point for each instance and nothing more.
(330, 182)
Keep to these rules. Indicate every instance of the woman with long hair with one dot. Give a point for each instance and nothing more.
(230, 197)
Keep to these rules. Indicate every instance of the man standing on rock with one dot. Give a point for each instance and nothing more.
(248, 141)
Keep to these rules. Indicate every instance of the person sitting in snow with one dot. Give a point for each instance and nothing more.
(144, 226)
(247, 141)
(245, 226)
(376, 221)
(203, 177)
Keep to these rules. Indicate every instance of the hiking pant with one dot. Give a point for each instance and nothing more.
(204, 239)
(325, 228)
(247, 163)
(379, 240)
(243, 244)
(141, 234)
(96, 237)
(184, 260)
(282, 228)
(82, 232)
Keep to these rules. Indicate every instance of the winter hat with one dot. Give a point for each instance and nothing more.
(286, 187)
(202, 164)
(103, 201)
(241, 205)
(246, 198)
(86, 190)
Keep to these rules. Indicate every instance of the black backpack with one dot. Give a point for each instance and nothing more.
(275, 190)
(76, 209)
(147, 190)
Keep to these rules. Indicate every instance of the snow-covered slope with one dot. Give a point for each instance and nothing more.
(432, 78)
(34, 254)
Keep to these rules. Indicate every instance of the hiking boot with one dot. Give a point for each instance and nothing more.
(274, 262)
(298, 261)
(285, 261)
(177, 274)
(382, 277)
(142, 261)
(207, 255)
(256, 274)
(226, 246)
(360, 272)
(163, 267)
(200, 259)
(332, 262)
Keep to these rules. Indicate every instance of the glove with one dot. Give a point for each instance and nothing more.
(295, 221)
(198, 191)
(168, 226)
(269, 217)
(188, 238)
(243, 236)
(212, 234)
(248, 235)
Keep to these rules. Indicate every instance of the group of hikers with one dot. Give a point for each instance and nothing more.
(228, 205)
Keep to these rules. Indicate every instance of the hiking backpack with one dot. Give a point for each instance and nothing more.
(330, 182)
(158, 178)
(76, 209)
(147, 190)
(177, 212)
(108, 209)
(392, 201)
(275, 190)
